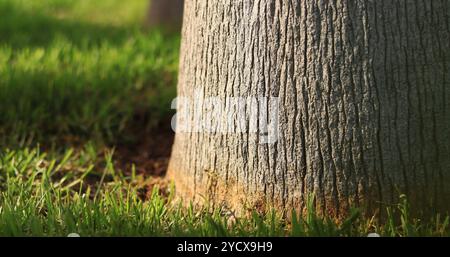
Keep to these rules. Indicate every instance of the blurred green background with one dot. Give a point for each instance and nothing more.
(73, 71)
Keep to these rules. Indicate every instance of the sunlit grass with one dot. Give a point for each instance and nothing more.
(106, 12)
(80, 191)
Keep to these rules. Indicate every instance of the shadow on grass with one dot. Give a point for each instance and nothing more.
(100, 86)
(55, 114)
(68, 109)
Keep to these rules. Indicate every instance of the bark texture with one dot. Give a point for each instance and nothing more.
(165, 13)
(364, 102)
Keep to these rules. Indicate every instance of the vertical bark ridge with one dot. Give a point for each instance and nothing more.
(364, 102)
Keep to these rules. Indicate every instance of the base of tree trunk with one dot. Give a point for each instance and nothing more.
(215, 192)
(212, 191)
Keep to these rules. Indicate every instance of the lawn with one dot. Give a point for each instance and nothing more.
(85, 94)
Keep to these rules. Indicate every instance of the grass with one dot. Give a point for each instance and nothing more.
(63, 78)
(47, 195)
(76, 76)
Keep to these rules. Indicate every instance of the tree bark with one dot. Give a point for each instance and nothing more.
(165, 13)
(363, 112)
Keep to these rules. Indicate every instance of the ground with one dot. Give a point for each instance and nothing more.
(85, 138)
